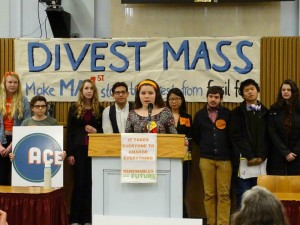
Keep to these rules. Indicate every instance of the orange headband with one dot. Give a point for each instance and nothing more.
(9, 73)
(147, 82)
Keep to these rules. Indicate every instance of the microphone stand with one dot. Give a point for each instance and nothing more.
(149, 121)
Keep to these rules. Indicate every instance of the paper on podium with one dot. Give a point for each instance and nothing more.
(246, 171)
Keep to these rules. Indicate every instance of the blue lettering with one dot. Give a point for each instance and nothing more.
(76, 63)
(95, 56)
(184, 48)
(201, 53)
(225, 58)
(64, 85)
(120, 56)
(29, 87)
(57, 57)
(249, 65)
(137, 46)
(44, 90)
(31, 48)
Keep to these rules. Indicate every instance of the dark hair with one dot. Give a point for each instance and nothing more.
(178, 92)
(37, 98)
(215, 90)
(119, 84)
(246, 83)
(295, 93)
(158, 98)
(260, 206)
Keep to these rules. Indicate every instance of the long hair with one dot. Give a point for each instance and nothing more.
(158, 98)
(260, 207)
(177, 92)
(16, 104)
(80, 109)
(288, 106)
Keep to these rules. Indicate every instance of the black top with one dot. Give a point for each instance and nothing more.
(76, 134)
(241, 132)
(213, 138)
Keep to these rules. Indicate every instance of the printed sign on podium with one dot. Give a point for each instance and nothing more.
(33, 147)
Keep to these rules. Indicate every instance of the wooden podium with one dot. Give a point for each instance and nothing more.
(113, 198)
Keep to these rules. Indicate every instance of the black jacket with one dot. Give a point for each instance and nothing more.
(76, 134)
(241, 137)
(213, 138)
(282, 143)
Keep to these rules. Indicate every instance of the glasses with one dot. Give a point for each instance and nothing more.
(120, 92)
(174, 99)
(39, 106)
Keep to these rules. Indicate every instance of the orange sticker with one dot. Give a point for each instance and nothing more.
(184, 121)
(221, 124)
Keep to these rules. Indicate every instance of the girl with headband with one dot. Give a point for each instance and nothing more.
(150, 114)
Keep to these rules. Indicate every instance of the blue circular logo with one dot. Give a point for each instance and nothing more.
(32, 153)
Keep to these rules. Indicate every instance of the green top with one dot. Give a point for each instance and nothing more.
(49, 121)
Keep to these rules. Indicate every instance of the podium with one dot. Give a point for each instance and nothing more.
(112, 198)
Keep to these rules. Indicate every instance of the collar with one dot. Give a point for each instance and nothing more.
(125, 107)
(213, 110)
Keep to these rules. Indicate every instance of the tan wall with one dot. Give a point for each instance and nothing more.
(199, 19)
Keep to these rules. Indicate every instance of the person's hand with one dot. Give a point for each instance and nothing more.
(290, 157)
(186, 141)
(63, 155)
(252, 162)
(3, 216)
(5, 152)
(11, 156)
(71, 160)
(259, 160)
(90, 129)
(1, 149)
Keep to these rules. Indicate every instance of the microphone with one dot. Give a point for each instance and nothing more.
(150, 107)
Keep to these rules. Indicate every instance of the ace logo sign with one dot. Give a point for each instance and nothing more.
(34, 147)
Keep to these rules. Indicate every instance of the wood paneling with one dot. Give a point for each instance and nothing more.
(6, 55)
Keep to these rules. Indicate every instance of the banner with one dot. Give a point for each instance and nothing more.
(55, 68)
(34, 146)
(139, 158)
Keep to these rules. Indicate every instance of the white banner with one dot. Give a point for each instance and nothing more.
(55, 68)
(139, 158)
(34, 146)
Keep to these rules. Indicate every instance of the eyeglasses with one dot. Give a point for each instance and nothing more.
(174, 99)
(120, 92)
(39, 106)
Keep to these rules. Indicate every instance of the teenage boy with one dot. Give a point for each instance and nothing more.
(114, 117)
(248, 131)
(211, 133)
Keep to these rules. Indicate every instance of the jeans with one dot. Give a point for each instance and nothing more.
(244, 185)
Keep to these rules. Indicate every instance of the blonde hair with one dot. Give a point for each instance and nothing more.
(17, 103)
(80, 109)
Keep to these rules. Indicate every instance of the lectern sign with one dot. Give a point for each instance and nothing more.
(35, 146)
(139, 158)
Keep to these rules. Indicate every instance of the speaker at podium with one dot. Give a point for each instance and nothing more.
(60, 22)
